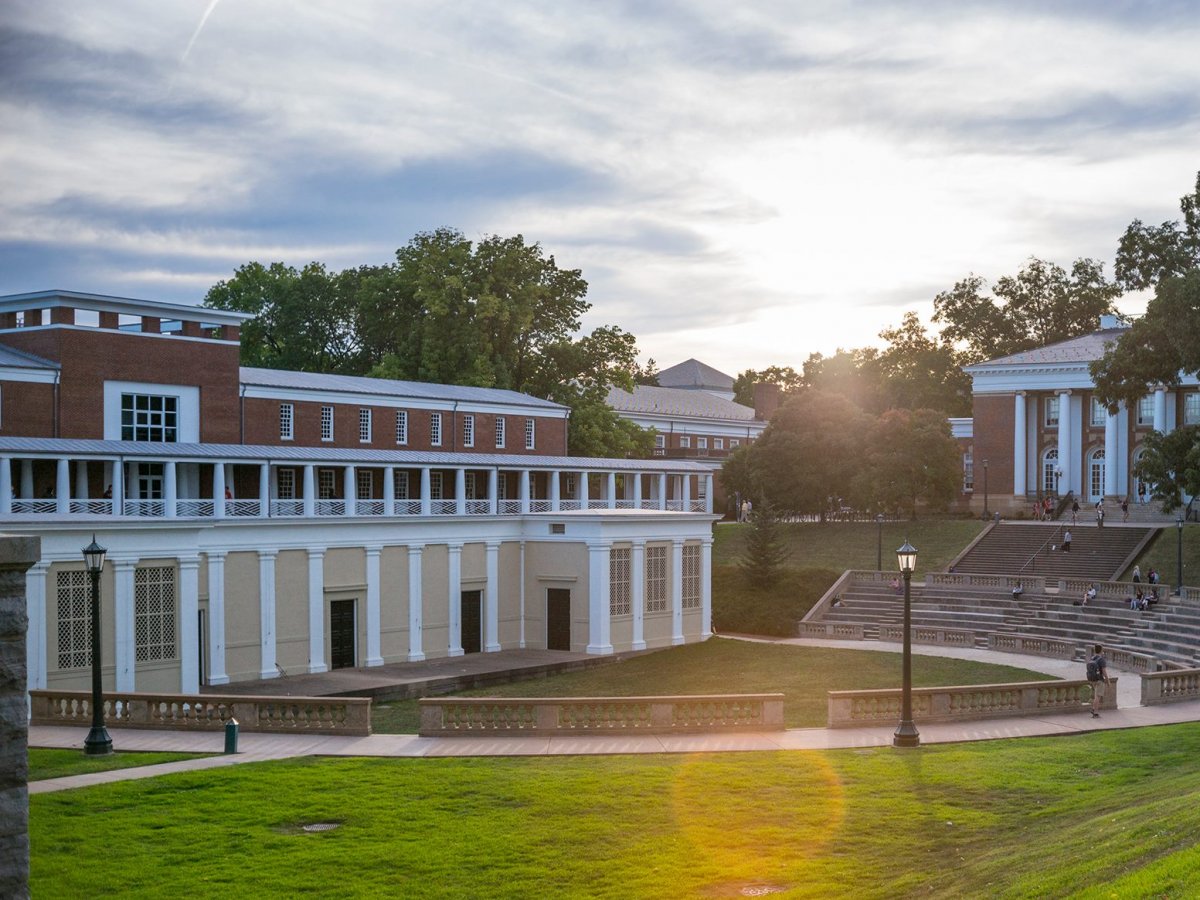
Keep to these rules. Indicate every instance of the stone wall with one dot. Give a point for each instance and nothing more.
(16, 555)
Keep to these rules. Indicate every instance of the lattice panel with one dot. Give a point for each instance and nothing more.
(618, 582)
(656, 579)
(74, 621)
(154, 613)
(691, 576)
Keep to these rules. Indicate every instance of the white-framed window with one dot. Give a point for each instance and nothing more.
(499, 432)
(364, 426)
(685, 442)
(400, 479)
(327, 423)
(287, 421)
(469, 485)
(1191, 409)
(656, 578)
(154, 613)
(366, 483)
(619, 603)
(1099, 413)
(691, 576)
(701, 443)
(150, 417)
(718, 443)
(1096, 474)
(326, 484)
(968, 463)
(529, 434)
(734, 442)
(1049, 465)
(1051, 419)
(285, 484)
(501, 486)
(660, 441)
(74, 620)
(1145, 410)
(435, 429)
(468, 430)
(435, 485)
(402, 426)
(570, 485)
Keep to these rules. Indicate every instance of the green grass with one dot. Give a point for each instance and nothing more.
(724, 666)
(842, 546)
(1105, 814)
(60, 763)
(1162, 554)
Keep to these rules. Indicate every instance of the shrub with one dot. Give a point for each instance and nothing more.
(741, 606)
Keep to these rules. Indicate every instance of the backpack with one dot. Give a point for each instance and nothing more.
(1095, 668)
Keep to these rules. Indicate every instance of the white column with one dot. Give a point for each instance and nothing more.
(676, 591)
(316, 610)
(610, 490)
(62, 486)
(310, 492)
(216, 619)
(349, 492)
(35, 637)
(124, 661)
(1064, 441)
(27, 479)
(685, 491)
(524, 491)
(189, 625)
(218, 490)
(637, 490)
(582, 490)
(599, 621)
(118, 487)
(389, 493)
(1111, 466)
(266, 614)
(521, 598)
(1160, 409)
(426, 490)
(6, 486)
(264, 489)
(555, 491)
(493, 491)
(662, 490)
(230, 481)
(454, 597)
(170, 488)
(705, 589)
(637, 593)
(460, 491)
(374, 629)
(1020, 442)
(491, 599)
(81, 480)
(415, 598)
(708, 492)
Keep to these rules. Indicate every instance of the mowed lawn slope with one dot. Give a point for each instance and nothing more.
(1105, 814)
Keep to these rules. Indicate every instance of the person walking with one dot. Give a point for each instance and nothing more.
(1075, 512)
(1066, 542)
(1137, 575)
(1125, 510)
(1097, 676)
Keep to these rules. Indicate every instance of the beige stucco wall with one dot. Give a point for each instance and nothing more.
(393, 603)
(291, 611)
(435, 587)
(556, 564)
(243, 629)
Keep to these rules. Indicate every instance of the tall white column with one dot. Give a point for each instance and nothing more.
(637, 593)
(676, 591)
(555, 491)
(81, 479)
(521, 598)
(708, 493)
(599, 614)
(389, 492)
(218, 490)
(1160, 409)
(637, 490)
(62, 486)
(705, 589)
(524, 491)
(454, 597)
(610, 490)
(124, 661)
(266, 614)
(493, 491)
(189, 625)
(118, 487)
(460, 491)
(170, 488)
(685, 491)
(349, 492)
(264, 489)
(1111, 466)
(374, 629)
(310, 492)
(582, 490)
(316, 610)
(662, 490)
(491, 599)
(35, 637)
(1020, 445)
(426, 494)
(216, 619)
(1064, 441)
(6, 486)
(415, 596)
(27, 479)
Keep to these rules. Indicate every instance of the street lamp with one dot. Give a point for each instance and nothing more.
(1179, 554)
(906, 732)
(97, 743)
(985, 489)
(1057, 476)
(879, 542)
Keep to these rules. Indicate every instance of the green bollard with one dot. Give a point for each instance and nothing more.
(231, 736)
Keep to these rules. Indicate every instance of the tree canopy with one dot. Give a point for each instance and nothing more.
(498, 314)
(1149, 254)
(1170, 465)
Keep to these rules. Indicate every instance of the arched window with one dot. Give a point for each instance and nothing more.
(1049, 464)
(1096, 475)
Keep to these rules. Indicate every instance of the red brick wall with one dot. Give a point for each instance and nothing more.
(27, 409)
(993, 441)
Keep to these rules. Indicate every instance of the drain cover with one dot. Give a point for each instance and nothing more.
(321, 826)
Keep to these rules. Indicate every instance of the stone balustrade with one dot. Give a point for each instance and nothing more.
(944, 637)
(207, 712)
(1170, 687)
(964, 703)
(471, 716)
(845, 631)
(1030, 645)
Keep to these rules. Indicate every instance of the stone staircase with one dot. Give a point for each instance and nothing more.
(1025, 549)
(1147, 514)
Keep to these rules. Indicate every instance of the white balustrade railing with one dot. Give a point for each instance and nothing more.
(408, 507)
(243, 508)
(287, 507)
(675, 505)
(540, 506)
(329, 507)
(443, 507)
(569, 505)
(597, 504)
(626, 504)
(194, 508)
(479, 507)
(89, 507)
(510, 507)
(40, 507)
(368, 507)
(146, 508)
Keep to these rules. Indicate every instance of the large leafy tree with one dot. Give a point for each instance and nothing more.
(917, 371)
(852, 374)
(1040, 305)
(1149, 254)
(784, 377)
(1171, 465)
(911, 458)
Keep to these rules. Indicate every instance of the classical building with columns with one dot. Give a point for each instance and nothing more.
(261, 522)
(1042, 430)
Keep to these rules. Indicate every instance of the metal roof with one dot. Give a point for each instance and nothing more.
(677, 402)
(1082, 349)
(128, 305)
(359, 384)
(10, 357)
(691, 373)
(73, 447)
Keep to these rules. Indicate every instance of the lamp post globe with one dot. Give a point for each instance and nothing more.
(879, 542)
(97, 742)
(906, 734)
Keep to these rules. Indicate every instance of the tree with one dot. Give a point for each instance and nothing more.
(1149, 254)
(912, 457)
(917, 371)
(852, 374)
(1170, 464)
(765, 551)
(1041, 305)
(785, 377)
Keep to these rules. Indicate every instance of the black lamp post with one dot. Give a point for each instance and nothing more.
(97, 743)
(879, 542)
(1057, 488)
(906, 732)
(1179, 554)
(985, 489)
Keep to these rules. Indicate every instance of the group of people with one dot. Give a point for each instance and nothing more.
(1151, 576)
(1143, 600)
(1043, 509)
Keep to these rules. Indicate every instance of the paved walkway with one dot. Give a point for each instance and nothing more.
(259, 747)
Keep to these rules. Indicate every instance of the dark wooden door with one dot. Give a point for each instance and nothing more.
(472, 621)
(341, 634)
(558, 619)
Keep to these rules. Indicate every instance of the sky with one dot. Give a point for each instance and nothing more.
(742, 183)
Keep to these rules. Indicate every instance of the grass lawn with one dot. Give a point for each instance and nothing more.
(1162, 554)
(853, 545)
(1100, 815)
(59, 763)
(726, 666)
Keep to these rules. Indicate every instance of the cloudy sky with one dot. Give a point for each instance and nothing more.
(741, 182)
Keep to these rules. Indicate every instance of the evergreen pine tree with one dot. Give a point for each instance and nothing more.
(765, 551)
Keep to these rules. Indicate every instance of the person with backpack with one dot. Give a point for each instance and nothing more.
(1097, 676)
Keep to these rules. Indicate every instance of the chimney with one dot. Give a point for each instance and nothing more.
(766, 399)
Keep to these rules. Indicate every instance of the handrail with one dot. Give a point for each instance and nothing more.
(1032, 561)
(1063, 501)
